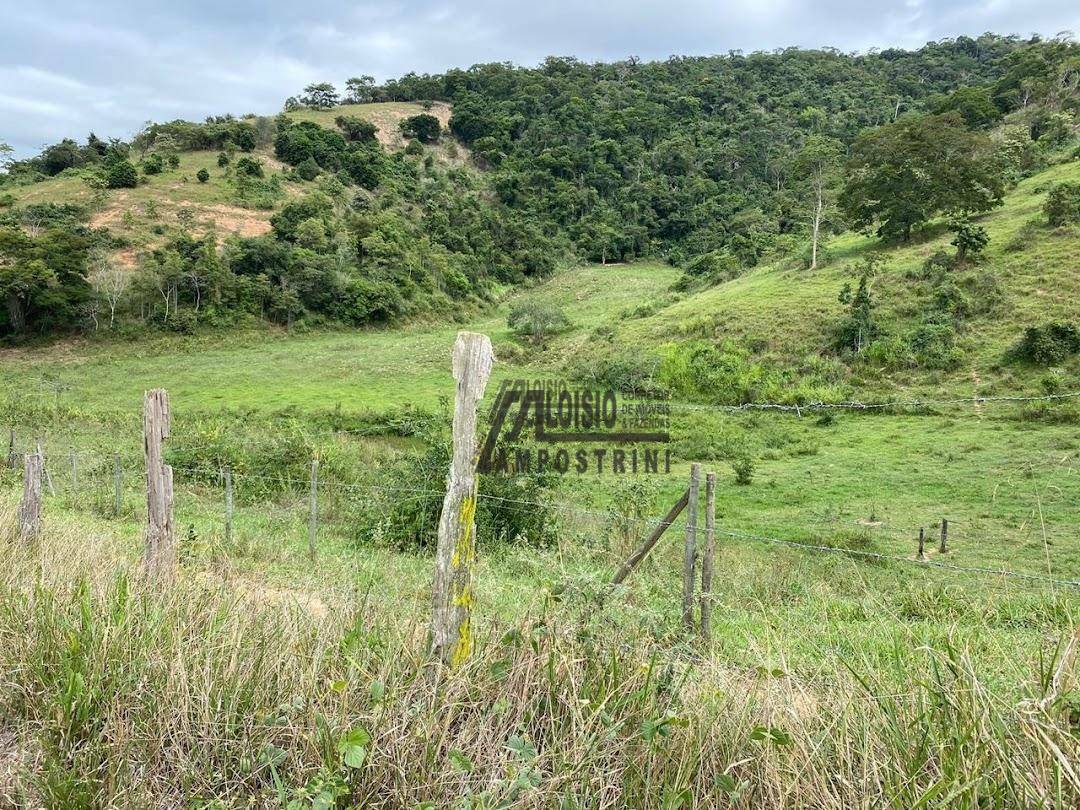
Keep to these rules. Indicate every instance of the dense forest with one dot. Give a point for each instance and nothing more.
(712, 163)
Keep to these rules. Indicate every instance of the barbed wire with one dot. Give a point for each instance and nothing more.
(866, 406)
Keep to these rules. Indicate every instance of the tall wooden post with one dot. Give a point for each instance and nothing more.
(161, 552)
(30, 507)
(455, 556)
(11, 456)
(707, 556)
(45, 470)
(313, 507)
(228, 503)
(690, 547)
(943, 548)
(922, 541)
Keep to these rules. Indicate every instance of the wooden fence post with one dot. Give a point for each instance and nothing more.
(74, 473)
(690, 547)
(228, 503)
(707, 556)
(313, 505)
(641, 551)
(455, 556)
(161, 552)
(30, 507)
(943, 548)
(922, 549)
(11, 456)
(116, 484)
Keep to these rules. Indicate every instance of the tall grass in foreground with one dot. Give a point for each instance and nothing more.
(115, 694)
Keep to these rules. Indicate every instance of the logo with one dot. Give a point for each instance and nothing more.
(575, 429)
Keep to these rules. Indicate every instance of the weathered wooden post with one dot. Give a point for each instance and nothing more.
(313, 506)
(922, 537)
(641, 551)
(455, 556)
(228, 503)
(161, 552)
(74, 457)
(707, 556)
(943, 547)
(690, 547)
(116, 484)
(30, 507)
(12, 460)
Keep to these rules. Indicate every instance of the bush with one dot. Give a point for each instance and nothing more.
(744, 470)
(153, 164)
(202, 175)
(250, 167)
(1049, 344)
(308, 170)
(424, 127)
(537, 321)
(121, 174)
(222, 160)
(1062, 206)
(414, 148)
(356, 129)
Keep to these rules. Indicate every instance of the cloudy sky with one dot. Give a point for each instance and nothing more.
(69, 66)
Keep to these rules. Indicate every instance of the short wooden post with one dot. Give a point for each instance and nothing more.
(74, 472)
(11, 456)
(228, 503)
(690, 547)
(30, 507)
(922, 537)
(117, 474)
(161, 552)
(313, 519)
(45, 470)
(707, 556)
(642, 551)
(943, 548)
(455, 555)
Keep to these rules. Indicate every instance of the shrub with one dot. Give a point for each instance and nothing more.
(250, 167)
(970, 239)
(744, 470)
(537, 321)
(308, 169)
(356, 129)
(424, 127)
(1049, 344)
(121, 174)
(153, 164)
(202, 175)
(414, 148)
(1062, 206)
(222, 160)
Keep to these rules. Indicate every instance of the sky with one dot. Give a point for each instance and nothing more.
(70, 66)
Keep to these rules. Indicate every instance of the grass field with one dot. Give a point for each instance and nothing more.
(833, 679)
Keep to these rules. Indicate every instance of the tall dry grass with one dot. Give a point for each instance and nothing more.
(118, 693)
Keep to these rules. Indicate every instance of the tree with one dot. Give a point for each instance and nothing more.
(110, 282)
(121, 174)
(973, 104)
(970, 239)
(202, 175)
(900, 175)
(424, 127)
(537, 320)
(356, 129)
(860, 327)
(818, 162)
(6, 151)
(1062, 206)
(321, 96)
(358, 89)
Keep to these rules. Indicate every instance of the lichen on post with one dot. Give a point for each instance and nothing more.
(455, 556)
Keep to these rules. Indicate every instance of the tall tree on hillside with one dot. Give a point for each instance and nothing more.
(902, 174)
(321, 96)
(818, 162)
(358, 89)
(5, 154)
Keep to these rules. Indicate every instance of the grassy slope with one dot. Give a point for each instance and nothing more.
(794, 311)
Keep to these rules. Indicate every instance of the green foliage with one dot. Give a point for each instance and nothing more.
(973, 104)
(121, 174)
(153, 163)
(202, 175)
(1062, 206)
(356, 129)
(251, 167)
(902, 174)
(319, 96)
(424, 127)
(308, 169)
(970, 240)
(1049, 344)
(860, 328)
(537, 321)
(42, 279)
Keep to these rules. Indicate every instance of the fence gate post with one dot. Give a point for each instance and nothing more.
(455, 556)
(707, 556)
(690, 547)
(161, 556)
(30, 508)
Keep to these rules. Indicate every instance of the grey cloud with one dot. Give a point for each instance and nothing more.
(69, 67)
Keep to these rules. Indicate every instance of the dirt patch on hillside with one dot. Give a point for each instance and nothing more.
(388, 122)
(231, 219)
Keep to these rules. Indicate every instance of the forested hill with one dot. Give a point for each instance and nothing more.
(431, 193)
